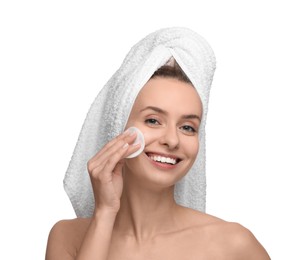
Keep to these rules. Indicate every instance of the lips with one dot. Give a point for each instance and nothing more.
(163, 158)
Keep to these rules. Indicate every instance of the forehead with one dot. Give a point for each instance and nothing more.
(169, 94)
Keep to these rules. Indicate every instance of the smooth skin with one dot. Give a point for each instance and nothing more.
(135, 215)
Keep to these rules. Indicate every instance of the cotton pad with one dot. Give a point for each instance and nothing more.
(139, 140)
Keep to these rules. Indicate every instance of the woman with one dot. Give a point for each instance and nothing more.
(150, 206)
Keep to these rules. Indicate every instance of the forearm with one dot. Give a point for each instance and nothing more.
(97, 240)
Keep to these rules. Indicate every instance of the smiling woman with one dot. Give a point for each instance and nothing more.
(151, 206)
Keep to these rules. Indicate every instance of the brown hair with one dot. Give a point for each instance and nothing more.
(171, 70)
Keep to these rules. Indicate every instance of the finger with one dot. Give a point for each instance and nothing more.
(110, 150)
(116, 159)
(101, 160)
(132, 149)
(111, 143)
(104, 170)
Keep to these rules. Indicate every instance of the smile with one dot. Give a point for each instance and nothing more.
(163, 158)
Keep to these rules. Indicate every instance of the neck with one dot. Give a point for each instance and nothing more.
(144, 212)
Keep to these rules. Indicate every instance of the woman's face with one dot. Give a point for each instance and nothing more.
(168, 112)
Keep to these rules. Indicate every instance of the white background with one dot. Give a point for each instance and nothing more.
(56, 55)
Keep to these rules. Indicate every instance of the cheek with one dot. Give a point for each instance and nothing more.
(150, 135)
(191, 147)
(134, 164)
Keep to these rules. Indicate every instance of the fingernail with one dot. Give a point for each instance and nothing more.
(125, 145)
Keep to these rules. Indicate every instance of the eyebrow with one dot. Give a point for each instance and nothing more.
(161, 111)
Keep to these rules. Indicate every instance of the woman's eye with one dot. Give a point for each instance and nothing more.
(188, 129)
(152, 121)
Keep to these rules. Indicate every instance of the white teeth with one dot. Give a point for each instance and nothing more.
(163, 159)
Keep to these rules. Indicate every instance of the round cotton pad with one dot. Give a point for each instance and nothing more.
(139, 140)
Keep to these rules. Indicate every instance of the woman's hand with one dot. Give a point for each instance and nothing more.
(105, 170)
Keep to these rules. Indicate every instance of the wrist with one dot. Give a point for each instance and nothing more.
(104, 212)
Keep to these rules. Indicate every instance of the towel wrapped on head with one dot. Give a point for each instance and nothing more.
(110, 110)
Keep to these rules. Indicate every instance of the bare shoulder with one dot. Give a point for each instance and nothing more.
(65, 238)
(224, 239)
(241, 242)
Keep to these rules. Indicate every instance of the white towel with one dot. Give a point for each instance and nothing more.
(110, 110)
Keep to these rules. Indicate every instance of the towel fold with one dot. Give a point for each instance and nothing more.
(110, 110)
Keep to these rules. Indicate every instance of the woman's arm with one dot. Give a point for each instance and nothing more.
(81, 238)
(98, 236)
(105, 170)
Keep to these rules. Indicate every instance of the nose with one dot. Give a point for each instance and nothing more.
(170, 138)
